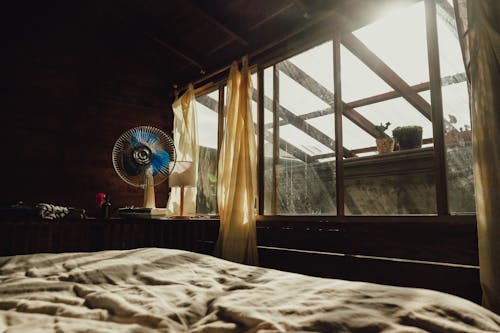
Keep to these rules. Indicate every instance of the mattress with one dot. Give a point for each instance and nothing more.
(164, 290)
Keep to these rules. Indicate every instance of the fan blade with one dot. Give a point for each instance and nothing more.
(160, 161)
(145, 138)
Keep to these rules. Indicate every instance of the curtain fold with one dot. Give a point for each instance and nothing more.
(482, 57)
(236, 187)
(186, 143)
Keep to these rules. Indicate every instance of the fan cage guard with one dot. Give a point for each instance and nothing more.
(122, 146)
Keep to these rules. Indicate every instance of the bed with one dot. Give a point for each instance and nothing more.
(164, 290)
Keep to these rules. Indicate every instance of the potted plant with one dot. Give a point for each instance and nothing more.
(385, 144)
(408, 137)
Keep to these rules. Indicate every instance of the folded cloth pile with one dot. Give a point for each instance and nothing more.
(53, 212)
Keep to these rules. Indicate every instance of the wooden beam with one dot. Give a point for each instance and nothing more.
(339, 107)
(289, 148)
(447, 14)
(184, 54)
(209, 102)
(276, 138)
(373, 62)
(271, 16)
(304, 8)
(440, 168)
(302, 125)
(220, 120)
(300, 28)
(260, 141)
(386, 96)
(339, 20)
(326, 95)
(445, 81)
(215, 106)
(217, 21)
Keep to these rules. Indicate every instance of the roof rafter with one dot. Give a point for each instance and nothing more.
(291, 149)
(445, 81)
(214, 19)
(373, 62)
(301, 124)
(181, 53)
(326, 95)
(271, 16)
(447, 14)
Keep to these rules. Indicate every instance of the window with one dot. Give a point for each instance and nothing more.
(380, 85)
(207, 108)
(384, 75)
(299, 144)
(457, 136)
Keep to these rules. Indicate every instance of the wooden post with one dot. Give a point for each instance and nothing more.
(260, 137)
(437, 109)
(181, 208)
(339, 151)
(276, 137)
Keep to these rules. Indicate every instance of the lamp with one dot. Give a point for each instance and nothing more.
(184, 174)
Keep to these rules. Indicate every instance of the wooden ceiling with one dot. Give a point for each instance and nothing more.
(190, 39)
(186, 40)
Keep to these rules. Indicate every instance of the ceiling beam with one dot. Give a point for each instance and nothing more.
(304, 8)
(217, 21)
(326, 95)
(271, 16)
(183, 54)
(373, 62)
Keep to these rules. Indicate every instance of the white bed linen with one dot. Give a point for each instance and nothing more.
(162, 290)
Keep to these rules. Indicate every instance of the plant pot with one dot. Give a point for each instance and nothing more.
(385, 145)
(408, 137)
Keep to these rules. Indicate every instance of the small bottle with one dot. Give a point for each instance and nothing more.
(100, 198)
(106, 208)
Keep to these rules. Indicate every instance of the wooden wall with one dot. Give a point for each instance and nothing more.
(74, 84)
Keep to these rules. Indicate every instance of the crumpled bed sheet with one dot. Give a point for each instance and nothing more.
(163, 290)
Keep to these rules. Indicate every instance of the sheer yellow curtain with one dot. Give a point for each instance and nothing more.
(484, 41)
(236, 187)
(186, 145)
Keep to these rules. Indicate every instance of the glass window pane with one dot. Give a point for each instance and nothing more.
(297, 99)
(302, 171)
(206, 106)
(352, 87)
(457, 136)
(386, 182)
(399, 40)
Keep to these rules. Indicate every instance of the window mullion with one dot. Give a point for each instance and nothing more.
(260, 137)
(276, 138)
(437, 108)
(339, 151)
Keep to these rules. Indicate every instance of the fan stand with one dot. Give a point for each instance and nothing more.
(149, 189)
(149, 210)
(181, 206)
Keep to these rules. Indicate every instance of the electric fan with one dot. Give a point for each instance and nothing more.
(143, 157)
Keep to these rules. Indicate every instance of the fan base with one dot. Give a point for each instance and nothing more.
(141, 212)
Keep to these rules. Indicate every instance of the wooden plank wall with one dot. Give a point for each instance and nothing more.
(438, 256)
(32, 235)
(73, 86)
